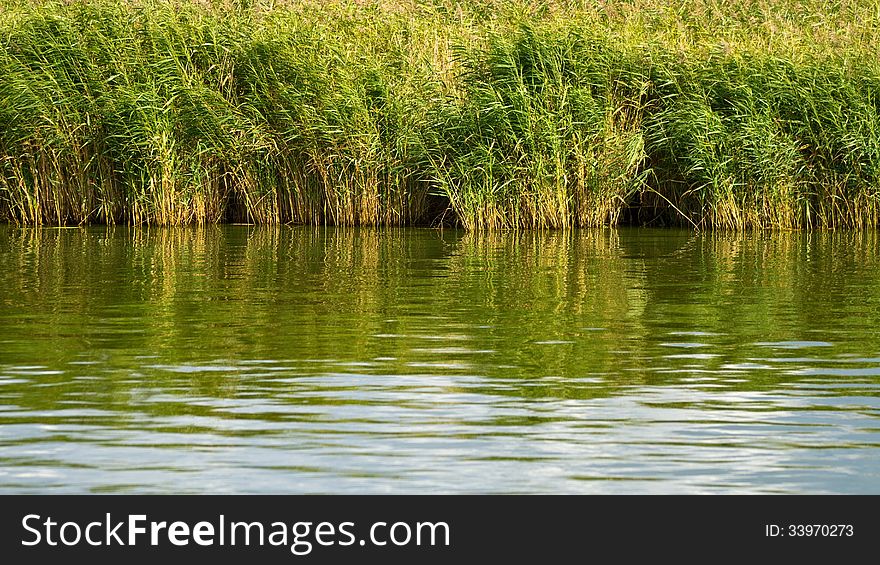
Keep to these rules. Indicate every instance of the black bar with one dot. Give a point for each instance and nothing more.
(516, 528)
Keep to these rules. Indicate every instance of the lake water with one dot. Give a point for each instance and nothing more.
(291, 360)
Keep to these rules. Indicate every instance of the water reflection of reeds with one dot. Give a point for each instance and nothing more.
(558, 305)
(371, 359)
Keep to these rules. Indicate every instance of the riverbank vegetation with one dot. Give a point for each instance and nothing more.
(489, 114)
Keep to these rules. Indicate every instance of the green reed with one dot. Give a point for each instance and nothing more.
(488, 114)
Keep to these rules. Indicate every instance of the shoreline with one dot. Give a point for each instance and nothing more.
(498, 115)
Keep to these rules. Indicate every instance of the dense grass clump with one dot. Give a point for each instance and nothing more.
(754, 140)
(489, 114)
(548, 132)
(177, 114)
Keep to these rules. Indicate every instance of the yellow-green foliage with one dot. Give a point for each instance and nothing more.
(487, 113)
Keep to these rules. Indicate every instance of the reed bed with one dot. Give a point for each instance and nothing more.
(492, 114)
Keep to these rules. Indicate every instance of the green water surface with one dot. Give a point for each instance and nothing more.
(288, 360)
